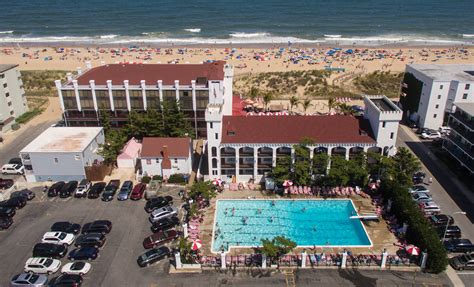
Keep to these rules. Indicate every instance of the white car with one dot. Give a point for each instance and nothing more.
(164, 212)
(429, 207)
(62, 238)
(13, 169)
(444, 130)
(78, 268)
(42, 265)
(431, 135)
(421, 197)
(83, 188)
(418, 188)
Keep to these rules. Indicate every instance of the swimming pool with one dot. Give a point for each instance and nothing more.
(321, 223)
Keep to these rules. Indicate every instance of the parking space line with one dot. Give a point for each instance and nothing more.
(465, 273)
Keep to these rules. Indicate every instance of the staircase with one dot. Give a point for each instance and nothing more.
(197, 155)
(290, 278)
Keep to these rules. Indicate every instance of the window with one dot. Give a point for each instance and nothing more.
(5, 85)
(439, 97)
(85, 98)
(148, 161)
(153, 99)
(391, 136)
(120, 99)
(9, 104)
(214, 151)
(136, 99)
(383, 124)
(2, 76)
(217, 136)
(69, 99)
(77, 157)
(437, 106)
(464, 96)
(12, 112)
(7, 95)
(434, 116)
(175, 160)
(441, 87)
(211, 125)
(103, 99)
(214, 163)
(468, 86)
(157, 160)
(56, 160)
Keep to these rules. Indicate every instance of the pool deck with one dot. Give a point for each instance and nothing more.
(378, 231)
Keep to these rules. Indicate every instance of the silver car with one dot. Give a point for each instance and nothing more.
(164, 212)
(29, 279)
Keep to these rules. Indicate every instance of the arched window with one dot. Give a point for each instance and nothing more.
(214, 163)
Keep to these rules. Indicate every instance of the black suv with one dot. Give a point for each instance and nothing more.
(110, 190)
(14, 202)
(68, 189)
(54, 189)
(66, 226)
(49, 250)
(96, 240)
(164, 224)
(7, 212)
(5, 222)
(158, 202)
(96, 190)
(98, 226)
(459, 246)
(441, 220)
(452, 231)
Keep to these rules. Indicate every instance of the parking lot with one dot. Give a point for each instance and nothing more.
(116, 264)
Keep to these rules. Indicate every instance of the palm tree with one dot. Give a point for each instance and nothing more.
(267, 97)
(345, 109)
(331, 103)
(294, 101)
(306, 103)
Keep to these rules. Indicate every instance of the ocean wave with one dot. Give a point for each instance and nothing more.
(332, 36)
(467, 35)
(111, 36)
(248, 35)
(193, 30)
(6, 32)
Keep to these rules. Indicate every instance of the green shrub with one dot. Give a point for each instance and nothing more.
(26, 117)
(157, 177)
(146, 179)
(420, 232)
(177, 178)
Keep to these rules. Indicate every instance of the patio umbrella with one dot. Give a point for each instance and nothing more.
(278, 113)
(269, 114)
(217, 181)
(261, 114)
(250, 114)
(197, 244)
(412, 250)
(287, 183)
(285, 113)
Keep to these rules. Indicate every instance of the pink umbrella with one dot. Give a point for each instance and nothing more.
(269, 114)
(285, 113)
(287, 183)
(412, 250)
(278, 113)
(261, 114)
(250, 114)
(197, 244)
(217, 181)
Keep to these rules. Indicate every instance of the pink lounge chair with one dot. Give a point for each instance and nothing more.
(300, 189)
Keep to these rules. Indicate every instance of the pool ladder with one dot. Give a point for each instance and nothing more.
(289, 277)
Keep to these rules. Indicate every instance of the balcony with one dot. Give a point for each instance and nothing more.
(466, 147)
(461, 130)
(464, 119)
(458, 154)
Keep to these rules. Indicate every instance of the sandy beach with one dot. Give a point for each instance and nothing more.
(247, 59)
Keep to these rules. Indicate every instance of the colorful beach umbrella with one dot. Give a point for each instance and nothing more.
(197, 244)
(285, 113)
(412, 250)
(287, 183)
(217, 181)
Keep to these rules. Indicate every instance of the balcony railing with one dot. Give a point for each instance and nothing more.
(462, 130)
(463, 118)
(467, 148)
(457, 153)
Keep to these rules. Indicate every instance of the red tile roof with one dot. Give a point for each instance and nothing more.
(151, 73)
(291, 129)
(177, 147)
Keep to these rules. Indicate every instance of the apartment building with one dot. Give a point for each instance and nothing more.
(12, 96)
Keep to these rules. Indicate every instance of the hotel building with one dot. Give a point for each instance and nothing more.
(117, 89)
(12, 96)
(428, 92)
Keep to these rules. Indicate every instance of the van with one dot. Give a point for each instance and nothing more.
(13, 169)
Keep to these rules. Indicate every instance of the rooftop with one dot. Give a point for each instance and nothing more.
(6, 67)
(177, 147)
(447, 72)
(151, 73)
(467, 107)
(63, 139)
(291, 129)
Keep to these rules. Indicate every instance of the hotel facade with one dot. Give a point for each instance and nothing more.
(117, 89)
(12, 96)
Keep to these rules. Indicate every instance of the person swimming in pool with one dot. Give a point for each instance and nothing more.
(273, 203)
(233, 211)
(303, 209)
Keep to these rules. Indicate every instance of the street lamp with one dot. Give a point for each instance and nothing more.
(447, 222)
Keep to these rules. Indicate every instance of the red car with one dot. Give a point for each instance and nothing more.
(137, 192)
(160, 238)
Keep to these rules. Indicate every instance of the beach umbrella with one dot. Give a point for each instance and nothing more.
(250, 114)
(269, 114)
(261, 113)
(412, 250)
(287, 183)
(217, 182)
(285, 113)
(278, 113)
(197, 244)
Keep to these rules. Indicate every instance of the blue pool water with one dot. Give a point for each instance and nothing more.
(307, 222)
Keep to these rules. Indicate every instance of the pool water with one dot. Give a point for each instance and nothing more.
(326, 223)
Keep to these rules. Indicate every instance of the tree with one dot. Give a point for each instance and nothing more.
(338, 172)
(114, 142)
(277, 246)
(357, 170)
(267, 97)
(306, 103)
(174, 121)
(282, 170)
(344, 109)
(202, 188)
(105, 121)
(320, 163)
(405, 164)
(331, 103)
(294, 101)
(185, 250)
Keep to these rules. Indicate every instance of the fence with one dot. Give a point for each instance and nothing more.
(98, 172)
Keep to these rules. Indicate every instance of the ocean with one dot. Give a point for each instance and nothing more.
(369, 22)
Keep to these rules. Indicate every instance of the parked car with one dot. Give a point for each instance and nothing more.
(96, 190)
(459, 245)
(419, 131)
(6, 183)
(110, 190)
(7, 212)
(5, 222)
(66, 226)
(15, 160)
(138, 191)
(444, 130)
(164, 224)
(452, 231)
(14, 202)
(160, 213)
(430, 135)
(49, 250)
(54, 189)
(418, 188)
(83, 188)
(418, 177)
(98, 226)
(441, 220)
(83, 253)
(77, 268)
(26, 193)
(152, 256)
(429, 207)
(42, 265)
(125, 190)
(66, 280)
(156, 202)
(58, 238)
(159, 238)
(421, 196)
(462, 262)
(13, 169)
(68, 189)
(96, 240)
(29, 279)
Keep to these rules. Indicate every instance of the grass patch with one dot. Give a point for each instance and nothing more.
(26, 117)
(379, 83)
(41, 83)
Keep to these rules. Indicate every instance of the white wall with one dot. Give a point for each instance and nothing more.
(178, 165)
(16, 96)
